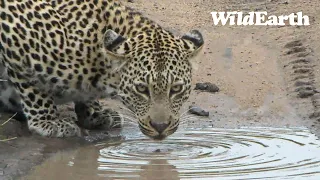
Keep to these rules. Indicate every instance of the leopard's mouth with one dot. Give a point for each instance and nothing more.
(160, 137)
(155, 135)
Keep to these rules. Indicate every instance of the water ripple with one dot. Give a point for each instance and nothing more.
(247, 153)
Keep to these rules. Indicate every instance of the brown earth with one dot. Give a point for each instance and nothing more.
(267, 75)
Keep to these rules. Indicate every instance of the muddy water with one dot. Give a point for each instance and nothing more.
(246, 153)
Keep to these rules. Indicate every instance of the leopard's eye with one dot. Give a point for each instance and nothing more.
(142, 89)
(176, 89)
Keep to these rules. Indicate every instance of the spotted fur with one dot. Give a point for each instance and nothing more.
(57, 51)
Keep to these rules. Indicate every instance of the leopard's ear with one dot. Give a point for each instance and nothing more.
(193, 42)
(112, 43)
(113, 48)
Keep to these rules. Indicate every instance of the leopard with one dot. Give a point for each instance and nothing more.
(54, 52)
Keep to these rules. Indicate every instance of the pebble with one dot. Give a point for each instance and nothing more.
(198, 111)
(208, 87)
(157, 150)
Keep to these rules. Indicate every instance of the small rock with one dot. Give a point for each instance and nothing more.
(208, 87)
(198, 111)
(305, 94)
(157, 150)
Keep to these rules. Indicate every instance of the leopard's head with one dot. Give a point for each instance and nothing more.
(155, 70)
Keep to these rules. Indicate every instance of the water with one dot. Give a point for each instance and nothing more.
(246, 153)
(228, 58)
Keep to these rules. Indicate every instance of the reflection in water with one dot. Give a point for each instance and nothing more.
(247, 153)
(158, 169)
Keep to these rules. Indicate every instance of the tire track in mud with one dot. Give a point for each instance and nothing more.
(299, 64)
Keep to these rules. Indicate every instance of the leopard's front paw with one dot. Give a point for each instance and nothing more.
(94, 117)
(112, 118)
(55, 128)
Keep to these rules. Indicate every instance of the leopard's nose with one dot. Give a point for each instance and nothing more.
(159, 127)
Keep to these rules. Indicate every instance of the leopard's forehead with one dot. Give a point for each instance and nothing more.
(159, 68)
(157, 45)
(158, 52)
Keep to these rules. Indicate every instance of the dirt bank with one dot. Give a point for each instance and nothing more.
(268, 76)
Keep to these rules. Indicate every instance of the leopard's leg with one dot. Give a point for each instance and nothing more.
(9, 98)
(92, 115)
(41, 113)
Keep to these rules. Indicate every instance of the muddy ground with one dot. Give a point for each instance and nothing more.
(268, 76)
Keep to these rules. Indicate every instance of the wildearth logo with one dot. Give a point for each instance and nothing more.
(259, 19)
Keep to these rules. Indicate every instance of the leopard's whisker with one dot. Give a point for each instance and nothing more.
(128, 122)
(187, 116)
(130, 114)
(186, 111)
(125, 118)
(129, 110)
(186, 120)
